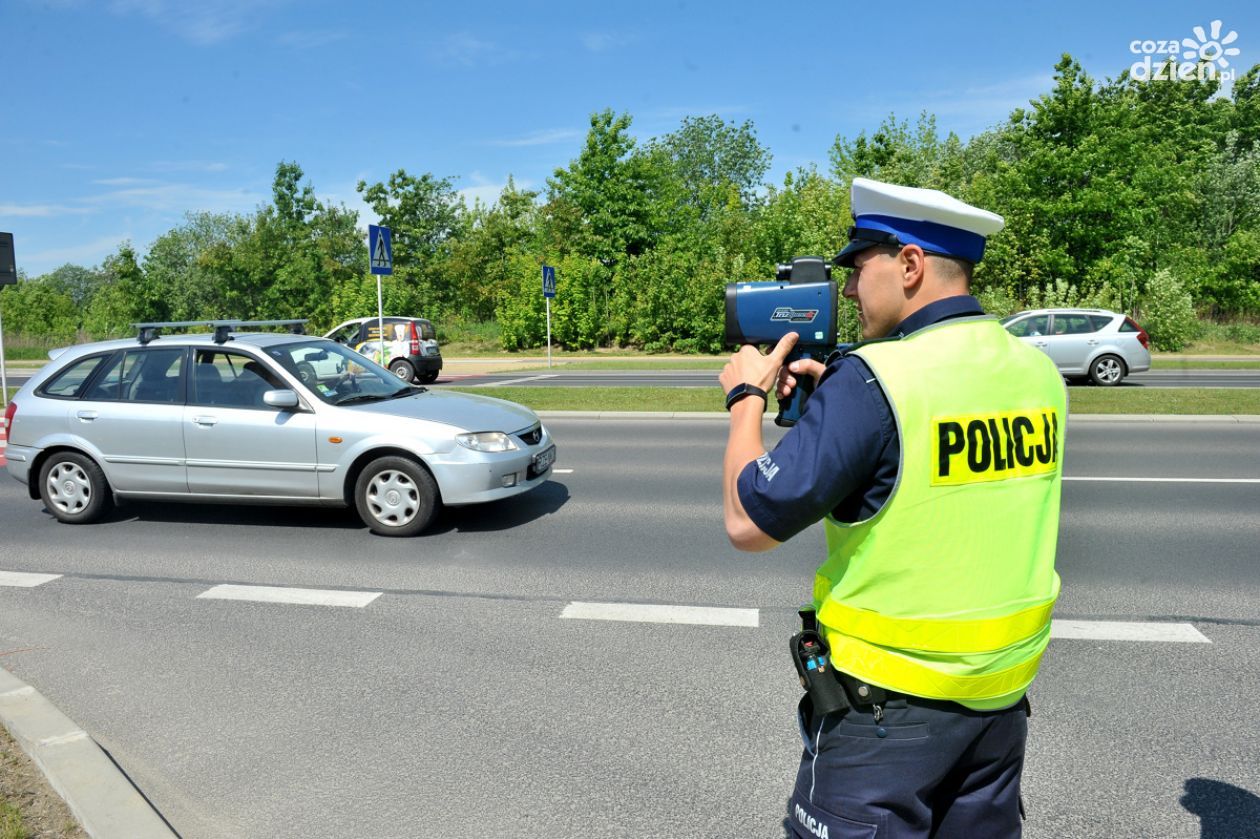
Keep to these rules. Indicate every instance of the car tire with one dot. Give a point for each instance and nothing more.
(74, 488)
(306, 373)
(396, 496)
(1107, 370)
(429, 377)
(402, 369)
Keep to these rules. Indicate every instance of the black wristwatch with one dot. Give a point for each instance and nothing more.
(740, 391)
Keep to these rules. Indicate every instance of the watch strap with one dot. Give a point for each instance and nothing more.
(741, 390)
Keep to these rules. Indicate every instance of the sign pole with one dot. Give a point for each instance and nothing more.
(549, 291)
(8, 276)
(380, 261)
(4, 381)
(380, 320)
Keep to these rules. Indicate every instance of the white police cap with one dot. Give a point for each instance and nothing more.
(887, 214)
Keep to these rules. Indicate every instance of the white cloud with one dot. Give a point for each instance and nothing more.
(542, 137)
(41, 210)
(188, 166)
(468, 51)
(124, 181)
(203, 22)
(486, 191)
(86, 253)
(602, 41)
(178, 198)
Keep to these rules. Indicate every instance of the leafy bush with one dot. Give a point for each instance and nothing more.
(1168, 312)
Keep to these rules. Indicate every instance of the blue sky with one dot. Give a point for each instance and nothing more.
(121, 115)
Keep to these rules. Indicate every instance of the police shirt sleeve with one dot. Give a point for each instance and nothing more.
(833, 452)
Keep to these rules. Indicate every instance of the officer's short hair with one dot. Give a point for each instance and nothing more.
(953, 269)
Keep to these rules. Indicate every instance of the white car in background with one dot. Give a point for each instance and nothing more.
(1096, 344)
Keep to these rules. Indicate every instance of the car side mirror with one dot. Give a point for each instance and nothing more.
(280, 399)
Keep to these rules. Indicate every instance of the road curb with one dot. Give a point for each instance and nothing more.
(717, 415)
(97, 792)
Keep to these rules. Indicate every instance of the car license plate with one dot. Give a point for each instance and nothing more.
(543, 461)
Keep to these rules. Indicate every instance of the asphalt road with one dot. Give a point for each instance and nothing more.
(461, 702)
(707, 378)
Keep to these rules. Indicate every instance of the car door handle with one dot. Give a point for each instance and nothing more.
(1041, 343)
(206, 421)
(87, 416)
(1092, 342)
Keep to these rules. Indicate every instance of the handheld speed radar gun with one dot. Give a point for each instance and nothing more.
(802, 299)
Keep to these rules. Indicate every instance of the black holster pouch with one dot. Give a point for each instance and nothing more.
(813, 664)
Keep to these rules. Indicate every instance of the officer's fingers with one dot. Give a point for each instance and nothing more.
(809, 367)
(781, 349)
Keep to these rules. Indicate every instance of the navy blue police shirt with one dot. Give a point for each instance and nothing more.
(842, 456)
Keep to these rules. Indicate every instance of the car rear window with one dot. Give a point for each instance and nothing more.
(426, 329)
(1100, 321)
(68, 384)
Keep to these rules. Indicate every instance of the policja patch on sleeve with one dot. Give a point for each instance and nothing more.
(994, 447)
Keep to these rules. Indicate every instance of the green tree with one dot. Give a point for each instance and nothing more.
(601, 204)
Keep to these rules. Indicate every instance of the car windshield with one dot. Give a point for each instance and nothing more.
(338, 375)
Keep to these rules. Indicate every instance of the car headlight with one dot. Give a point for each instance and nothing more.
(486, 441)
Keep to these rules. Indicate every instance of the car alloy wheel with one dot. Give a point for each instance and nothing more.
(396, 496)
(73, 488)
(1107, 371)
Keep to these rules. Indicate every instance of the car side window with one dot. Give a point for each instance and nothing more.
(142, 375)
(348, 335)
(1072, 325)
(231, 380)
(1030, 327)
(69, 383)
(1100, 321)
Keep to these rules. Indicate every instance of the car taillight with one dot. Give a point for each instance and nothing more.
(415, 339)
(9, 413)
(1143, 338)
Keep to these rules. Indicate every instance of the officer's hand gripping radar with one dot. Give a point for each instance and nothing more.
(802, 299)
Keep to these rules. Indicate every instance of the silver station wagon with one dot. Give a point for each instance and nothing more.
(228, 417)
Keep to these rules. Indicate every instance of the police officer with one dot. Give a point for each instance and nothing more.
(933, 452)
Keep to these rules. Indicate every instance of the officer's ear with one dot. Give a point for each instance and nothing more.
(913, 262)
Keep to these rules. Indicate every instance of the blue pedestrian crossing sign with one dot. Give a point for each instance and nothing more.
(380, 254)
(549, 281)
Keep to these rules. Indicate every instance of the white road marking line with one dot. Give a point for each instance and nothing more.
(1178, 633)
(1170, 480)
(563, 471)
(518, 381)
(299, 596)
(23, 580)
(651, 613)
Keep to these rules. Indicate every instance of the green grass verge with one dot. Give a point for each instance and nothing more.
(1084, 400)
(1192, 364)
(700, 362)
(607, 398)
(1171, 400)
(11, 826)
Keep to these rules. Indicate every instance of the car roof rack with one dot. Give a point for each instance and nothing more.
(223, 329)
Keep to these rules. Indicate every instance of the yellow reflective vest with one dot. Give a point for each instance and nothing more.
(946, 592)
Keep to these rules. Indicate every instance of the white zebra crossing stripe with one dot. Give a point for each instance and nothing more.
(20, 579)
(651, 613)
(1177, 633)
(297, 596)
